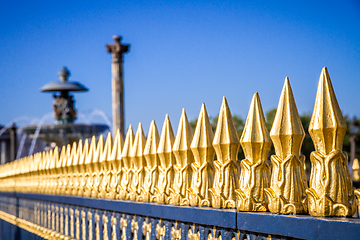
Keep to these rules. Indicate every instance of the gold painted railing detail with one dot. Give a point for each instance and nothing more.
(203, 166)
(288, 181)
(182, 169)
(330, 192)
(255, 171)
(227, 168)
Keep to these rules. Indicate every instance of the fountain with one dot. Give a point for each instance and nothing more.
(64, 131)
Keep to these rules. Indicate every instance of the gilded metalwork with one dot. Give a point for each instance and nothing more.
(330, 190)
(288, 181)
(175, 232)
(83, 225)
(71, 212)
(105, 233)
(123, 225)
(90, 225)
(166, 171)
(160, 231)
(123, 187)
(113, 228)
(134, 228)
(203, 165)
(179, 194)
(227, 168)
(212, 235)
(146, 230)
(152, 163)
(105, 168)
(355, 170)
(77, 224)
(115, 166)
(192, 235)
(255, 171)
(97, 226)
(66, 231)
(137, 164)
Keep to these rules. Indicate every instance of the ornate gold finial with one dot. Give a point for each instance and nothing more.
(95, 168)
(89, 168)
(123, 188)
(76, 169)
(70, 169)
(203, 166)
(152, 162)
(288, 181)
(84, 174)
(105, 167)
(330, 192)
(184, 158)
(255, 171)
(115, 166)
(166, 172)
(355, 170)
(227, 168)
(137, 163)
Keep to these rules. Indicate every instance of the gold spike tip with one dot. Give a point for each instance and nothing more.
(139, 143)
(91, 152)
(73, 154)
(129, 140)
(226, 140)
(117, 147)
(255, 139)
(167, 137)
(327, 125)
(151, 146)
(99, 151)
(106, 154)
(71, 151)
(78, 153)
(182, 142)
(201, 145)
(287, 132)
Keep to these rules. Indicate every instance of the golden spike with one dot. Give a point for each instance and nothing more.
(226, 144)
(70, 169)
(89, 168)
(96, 174)
(288, 181)
(166, 172)
(152, 163)
(115, 165)
(203, 166)
(184, 158)
(330, 192)
(123, 187)
(105, 167)
(83, 173)
(76, 169)
(355, 170)
(137, 164)
(105, 156)
(255, 171)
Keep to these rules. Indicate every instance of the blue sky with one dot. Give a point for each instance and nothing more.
(183, 53)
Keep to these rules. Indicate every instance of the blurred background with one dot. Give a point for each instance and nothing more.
(182, 53)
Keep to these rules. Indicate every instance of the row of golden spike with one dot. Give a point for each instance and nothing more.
(181, 170)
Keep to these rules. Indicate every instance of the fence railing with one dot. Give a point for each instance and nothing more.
(172, 187)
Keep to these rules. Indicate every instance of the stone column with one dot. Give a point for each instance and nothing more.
(117, 50)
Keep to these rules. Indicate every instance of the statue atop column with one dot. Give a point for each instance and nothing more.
(117, 50)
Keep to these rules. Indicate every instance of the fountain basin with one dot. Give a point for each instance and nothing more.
(66, 133)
